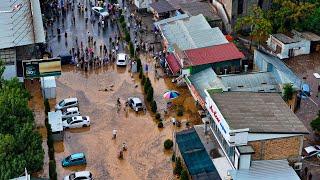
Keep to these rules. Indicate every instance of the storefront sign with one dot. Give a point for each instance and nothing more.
(218, 118)
(41, 68)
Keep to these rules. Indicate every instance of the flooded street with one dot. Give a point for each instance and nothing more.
(145, 158)
(97, 91)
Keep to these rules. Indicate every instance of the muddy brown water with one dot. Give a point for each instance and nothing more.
(145, 158)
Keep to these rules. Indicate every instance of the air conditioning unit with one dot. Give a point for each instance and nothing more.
(297, 166)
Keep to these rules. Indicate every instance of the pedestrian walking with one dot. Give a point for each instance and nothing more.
(114, 134)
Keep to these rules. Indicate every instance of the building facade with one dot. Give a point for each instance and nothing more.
(245, 123)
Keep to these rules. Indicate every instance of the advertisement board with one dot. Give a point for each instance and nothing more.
(41, 68)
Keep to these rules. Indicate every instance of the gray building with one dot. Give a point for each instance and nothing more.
(21, 32)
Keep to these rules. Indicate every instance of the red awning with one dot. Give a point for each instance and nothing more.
(173, 64)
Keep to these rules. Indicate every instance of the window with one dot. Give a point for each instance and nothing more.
(8, 56)
(240, 6)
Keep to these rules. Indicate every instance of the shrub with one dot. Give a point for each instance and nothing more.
(160, 124)
(184, 175)
(158, 116)
(178, 168)
(127, 36)
(140, 74)
(123, 25)
(46, 106)
(287, 92)
(150, 94)
(173, 157)
(154, 106)
(147, 85)
(121, 18)
(131, 48)
(139, 65)
(180, 111)
(315, 124)
(168, 144)
(52, 170)
(143, 80)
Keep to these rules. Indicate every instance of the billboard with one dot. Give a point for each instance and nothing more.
(41, 68)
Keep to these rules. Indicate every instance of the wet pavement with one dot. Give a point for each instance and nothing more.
(304, 66)
(97, 91)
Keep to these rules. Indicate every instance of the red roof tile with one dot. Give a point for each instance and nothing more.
(213, 54)
(173, 64)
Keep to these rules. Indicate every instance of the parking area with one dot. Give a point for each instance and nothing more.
(145, 158)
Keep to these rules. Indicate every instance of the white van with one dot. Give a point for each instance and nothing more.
(70, 112)
(66, 103)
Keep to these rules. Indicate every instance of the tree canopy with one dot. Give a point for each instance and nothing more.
(20, 143)
(260, 26)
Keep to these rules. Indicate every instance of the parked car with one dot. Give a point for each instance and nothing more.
(66, 103)
(312, 151)
(122, 59)
(70, 112)
(100, 11)
(81, 175)
(74, 160)
(135, 103)
(76, 122)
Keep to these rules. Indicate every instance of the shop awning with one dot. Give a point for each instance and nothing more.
(173, 64)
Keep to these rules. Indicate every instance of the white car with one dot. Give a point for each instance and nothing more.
(70, 112)
(135, 103)
(122, 59)
(66, 103)
(83, 175)
(76, 122)
(100, 11)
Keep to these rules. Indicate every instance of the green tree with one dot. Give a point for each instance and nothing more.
(178, 167)
(20, 143)
(154, 106)
(312, 23)
(150, 94)
(259, 25)
(315, 124)
(289, 14)
(184, 175)
(288, 92)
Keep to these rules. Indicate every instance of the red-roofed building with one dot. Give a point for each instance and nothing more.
(223, 58)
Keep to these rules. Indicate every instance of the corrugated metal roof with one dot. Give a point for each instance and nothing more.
(280, 71)
(213, 54)
(162, 6)
(173, 64)
(20, 27)
(251, 82)
(266, 170)
(205, 79)
(55, 120)
(193, 32)
(260, 112)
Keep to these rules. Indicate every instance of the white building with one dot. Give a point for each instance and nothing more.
(285, 47)
(20, 29)
(254, 128)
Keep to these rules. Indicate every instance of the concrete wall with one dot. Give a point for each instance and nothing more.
(281, 148)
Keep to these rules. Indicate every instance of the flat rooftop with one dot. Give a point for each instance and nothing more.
(260, 112)
(285, 39)
(265, 170)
